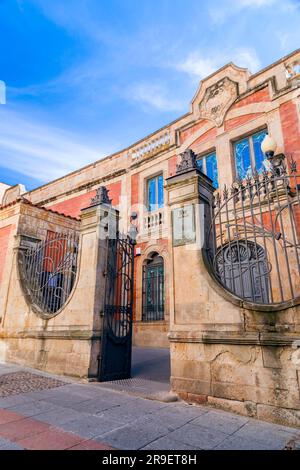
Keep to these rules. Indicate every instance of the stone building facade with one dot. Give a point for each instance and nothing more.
(175, 301)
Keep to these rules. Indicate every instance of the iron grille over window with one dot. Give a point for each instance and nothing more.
(48, 271)
(153, 289)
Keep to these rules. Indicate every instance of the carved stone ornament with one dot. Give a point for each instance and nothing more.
(217, 100)
(101, 197)
(188, 162)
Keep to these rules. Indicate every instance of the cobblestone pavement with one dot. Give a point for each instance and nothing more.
(86, 416)
(15, 383)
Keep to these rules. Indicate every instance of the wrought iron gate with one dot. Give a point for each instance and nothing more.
(117, 325)
(48, 270)
(253, 241)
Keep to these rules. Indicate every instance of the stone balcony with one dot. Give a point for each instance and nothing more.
(154, 223)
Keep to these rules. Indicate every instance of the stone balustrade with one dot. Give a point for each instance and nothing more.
(154, 221)
(152, 146)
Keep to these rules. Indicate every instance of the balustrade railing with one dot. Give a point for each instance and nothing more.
(152, 147)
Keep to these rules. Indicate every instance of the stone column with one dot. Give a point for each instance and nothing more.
(99, 223)
(189, 197)
(197, 310)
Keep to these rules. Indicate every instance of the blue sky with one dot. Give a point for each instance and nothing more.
(86, 78)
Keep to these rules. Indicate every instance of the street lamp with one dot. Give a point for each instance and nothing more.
(268, 147)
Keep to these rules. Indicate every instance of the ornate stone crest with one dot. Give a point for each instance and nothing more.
(101, 197)
(217, 100)
(188, 162)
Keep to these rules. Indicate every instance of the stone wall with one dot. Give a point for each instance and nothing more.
(67, 342)
(224, 352)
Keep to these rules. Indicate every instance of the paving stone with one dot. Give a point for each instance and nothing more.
(91, 445)
(59, 416)
(129, 413)
(93, 406)
(63, 399)
(8, 445)
(269, 435)
(238, 443)
(91, 426)
(7, 416)
(9, 402)
(165, 443)
(198, 437)
(84, 390)
(133, 436)
(182, 410)
(221, 421)
(33, 408)
(53, 439)
(16, 431)
(171, 420)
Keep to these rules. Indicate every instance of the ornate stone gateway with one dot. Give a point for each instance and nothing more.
(116, 341)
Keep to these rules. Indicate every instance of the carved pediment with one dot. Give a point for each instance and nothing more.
(217, 100)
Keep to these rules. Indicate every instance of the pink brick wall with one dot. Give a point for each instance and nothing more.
(4, 241)
(74, 205)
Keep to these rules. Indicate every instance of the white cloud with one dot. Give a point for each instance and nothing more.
(222, 10)
(255, 3)
(198, 65)
(247, 58)
(154, 96)
(38, 150)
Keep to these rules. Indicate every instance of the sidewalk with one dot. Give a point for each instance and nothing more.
(39, 411)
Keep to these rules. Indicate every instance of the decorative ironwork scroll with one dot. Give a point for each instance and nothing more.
(253, 242)
(48, 271)
(116, 340)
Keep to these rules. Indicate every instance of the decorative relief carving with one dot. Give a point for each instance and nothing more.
(292, 71)
(217, 100)
(101, 197)
(188, 162)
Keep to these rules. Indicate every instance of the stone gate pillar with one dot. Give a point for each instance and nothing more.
(99, 222)
(189, 198)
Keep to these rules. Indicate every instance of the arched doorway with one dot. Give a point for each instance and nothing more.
(153, 289)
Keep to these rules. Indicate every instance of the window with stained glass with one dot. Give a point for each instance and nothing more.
(248, 155)
(155, 193)
(209, 166)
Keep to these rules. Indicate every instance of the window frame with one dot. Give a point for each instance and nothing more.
(203, 157)
(248, 136)
(148, 179)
